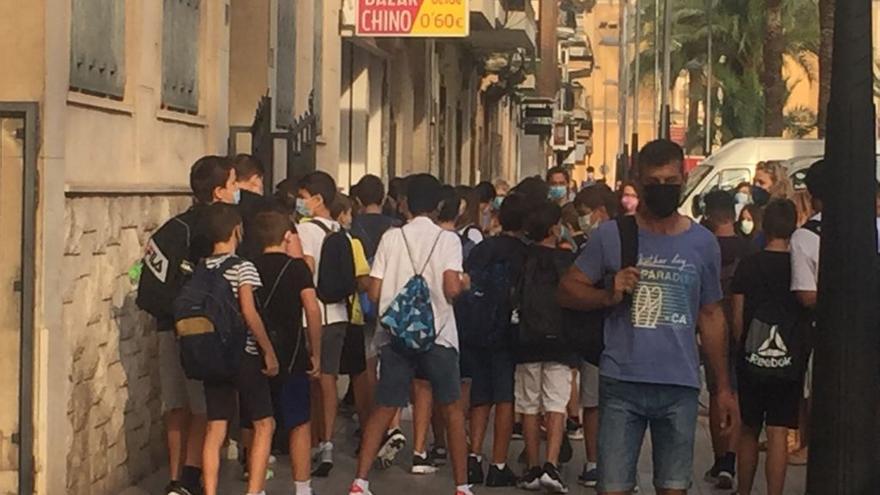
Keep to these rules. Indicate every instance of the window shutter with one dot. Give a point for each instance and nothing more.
(181, 27)
(97, 47)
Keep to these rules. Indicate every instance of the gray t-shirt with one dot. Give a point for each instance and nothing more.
(653, 340)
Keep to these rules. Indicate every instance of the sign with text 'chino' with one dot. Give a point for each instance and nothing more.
(413, 18)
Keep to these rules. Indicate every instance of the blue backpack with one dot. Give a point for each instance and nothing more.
(209, 325)
(410, 316)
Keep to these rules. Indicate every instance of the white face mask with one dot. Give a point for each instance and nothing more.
(747, 226)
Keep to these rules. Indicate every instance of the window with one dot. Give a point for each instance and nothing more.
(181, 25)
(729, 179)
(97, 47)
(285, 72)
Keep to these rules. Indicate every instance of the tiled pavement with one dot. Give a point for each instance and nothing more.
(398, 481)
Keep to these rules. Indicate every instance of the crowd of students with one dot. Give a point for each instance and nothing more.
(572, 312)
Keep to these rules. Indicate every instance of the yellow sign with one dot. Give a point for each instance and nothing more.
(413, 18)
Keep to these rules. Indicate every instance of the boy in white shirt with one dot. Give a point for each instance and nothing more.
(420, 244)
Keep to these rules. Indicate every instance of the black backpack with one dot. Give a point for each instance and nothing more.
(286, 337)
(467, 245)
(587, 328)
(483, 313)
(167, 268)
(336, 280)
(536, 310)
(209, 325)
(776, 344)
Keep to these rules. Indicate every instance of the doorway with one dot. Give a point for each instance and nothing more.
(18, 165)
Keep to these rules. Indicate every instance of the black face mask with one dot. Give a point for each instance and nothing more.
(759, 196)
(662, 199)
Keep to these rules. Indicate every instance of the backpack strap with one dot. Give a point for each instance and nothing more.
(814, 226)
(187, 229)
(229, 263)
(412, 260)
(628, 229)
(322, 226)
(275, 285)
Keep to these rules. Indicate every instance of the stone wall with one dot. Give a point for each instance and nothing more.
(114, 406)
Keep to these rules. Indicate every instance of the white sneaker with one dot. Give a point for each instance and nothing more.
(357, 490)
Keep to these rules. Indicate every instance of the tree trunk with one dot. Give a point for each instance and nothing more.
(696, 93)
(826, 41)
(771, 77)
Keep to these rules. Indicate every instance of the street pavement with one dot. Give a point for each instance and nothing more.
(398, 481)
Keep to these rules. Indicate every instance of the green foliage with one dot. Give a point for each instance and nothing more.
(800, 121)
(738, 43)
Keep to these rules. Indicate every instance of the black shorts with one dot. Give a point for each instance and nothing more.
(354, 355)
(773, 404)
(491, 372)
(292, 398)
(251, 388)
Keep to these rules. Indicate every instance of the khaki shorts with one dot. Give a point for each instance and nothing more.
(542, 387)
(178, 392)
(589, 386)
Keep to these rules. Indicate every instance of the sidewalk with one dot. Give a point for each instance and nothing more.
(398, 481)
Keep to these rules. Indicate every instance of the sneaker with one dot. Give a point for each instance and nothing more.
(726, 472)
(565, 451)
(589, 477)
(475, 470)
(325, 464)
(394, 442)
(517, 431)
(422, 465)
(531, 480)
(574, 429)
(711, 475)
(357, 490)
(500, 477)
(551, 480)
(439, 455)
(175, 488)
(466, 491)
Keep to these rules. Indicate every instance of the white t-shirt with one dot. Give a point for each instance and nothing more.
(473, 234)
(805, 258)
(393, 267)
(312, 238)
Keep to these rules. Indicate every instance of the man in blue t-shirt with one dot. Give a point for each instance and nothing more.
(650, 367)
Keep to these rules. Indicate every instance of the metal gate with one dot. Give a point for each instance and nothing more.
(300, 141)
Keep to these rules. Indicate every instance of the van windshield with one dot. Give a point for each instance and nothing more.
(694, 178)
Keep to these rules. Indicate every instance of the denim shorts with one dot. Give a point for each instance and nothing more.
(396, 372)
(491, 373)
(626, 410)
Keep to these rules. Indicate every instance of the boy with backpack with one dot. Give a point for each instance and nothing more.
(483, 317)
(328, 253)
(543, 356)
(772, 349)
(232, 366)
(416, 273)
(287, 294)
(171, 255)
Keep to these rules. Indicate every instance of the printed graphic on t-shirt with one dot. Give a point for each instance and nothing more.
(662, 295)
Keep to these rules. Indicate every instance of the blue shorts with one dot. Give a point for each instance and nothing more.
(292, 398)
(491, 372)
(626, 410)
(397, 371)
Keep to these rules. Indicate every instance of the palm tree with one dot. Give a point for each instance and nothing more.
(771, 77)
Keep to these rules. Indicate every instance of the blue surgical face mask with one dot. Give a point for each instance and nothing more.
(496, 203)
(585, 222)
(741, 198)
(236, 197)
(302, 209)
(557, 192)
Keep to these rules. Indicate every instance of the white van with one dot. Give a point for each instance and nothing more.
(735, 162)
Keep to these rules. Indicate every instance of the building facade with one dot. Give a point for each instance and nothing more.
(104, 106)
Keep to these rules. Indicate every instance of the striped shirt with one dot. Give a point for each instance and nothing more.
(243, 273)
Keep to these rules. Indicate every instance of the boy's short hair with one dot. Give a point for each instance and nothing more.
(558, 170)
(422, 194)
(396, 188)
(659, 153)
(208, 173)
(320, 183)
(780, 219)
(513, 212)
(485, 191)
(817, 180)
(595, 197)
(450, 204)
(534, 188)
(720, 206)
(247, 166)
(340, 205)
(222, 219)
(541, 220)
(570, 216)
(370, 190)
(270, 227)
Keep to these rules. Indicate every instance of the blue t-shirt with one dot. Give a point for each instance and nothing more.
(653, 340)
